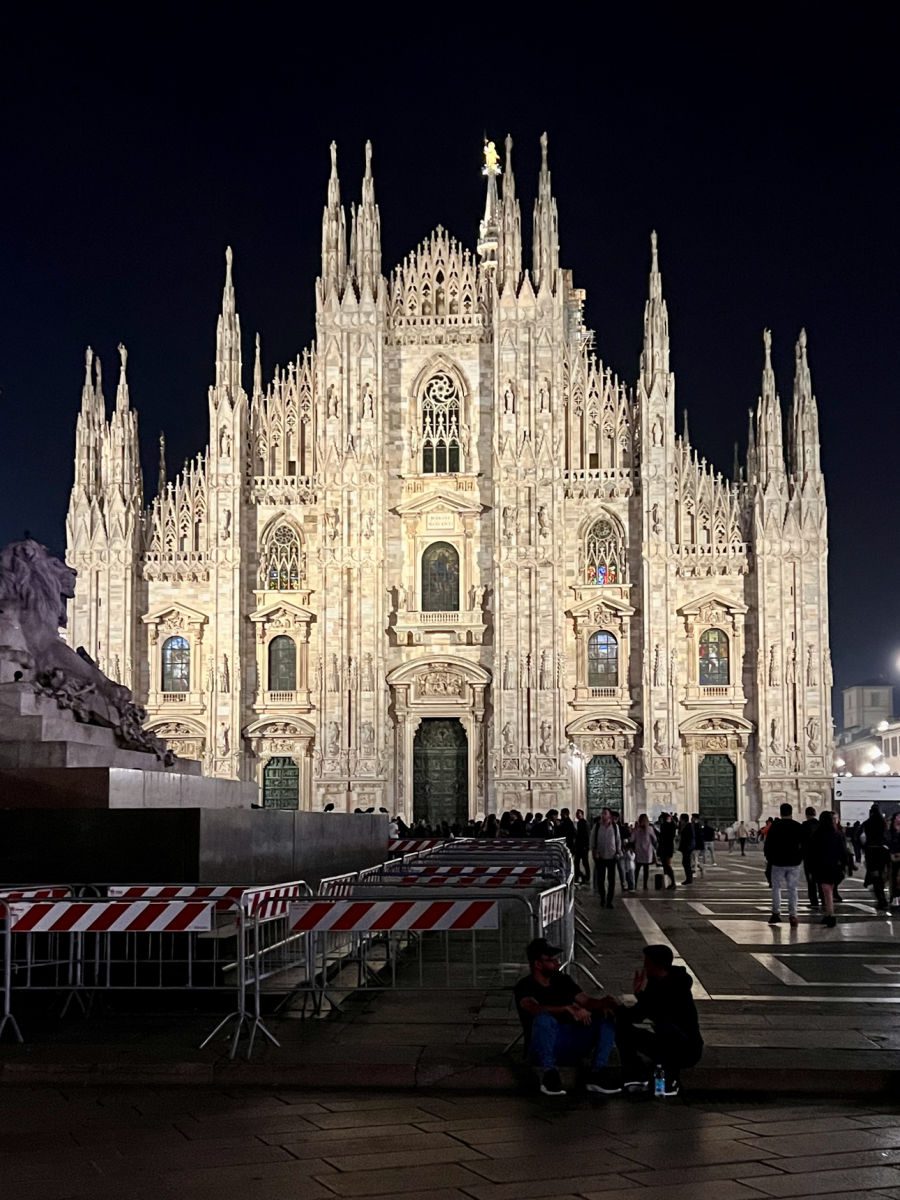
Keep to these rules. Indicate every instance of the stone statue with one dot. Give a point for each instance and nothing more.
(507, 671)
(333, 403)
(334, 738)
(367, 735)
(507, 735)
(222, 740)
(655, 519)
(225, 676)
(544, 397)
(812, 734)
(334, 683)
(775, 729)
(211, 675)
(810, 666)
(368, 677)
(546, 731)
(368, 524)
(543, 522)
(34, 587)
(465, 439)
(544, 681)
(226, 525)
(657, 667)
(368, 402)
(658, 744)
(526, 672)
(773, 666)
(509, 398)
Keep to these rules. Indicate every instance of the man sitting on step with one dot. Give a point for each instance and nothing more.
(563, 1026)
(664, 1000)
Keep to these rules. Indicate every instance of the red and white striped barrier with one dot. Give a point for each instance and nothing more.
(173, 891)
(454, 881)
(36, 893)
(411, 845)
(357, 916)
(457, 869)
(266, 903)
(112, 916)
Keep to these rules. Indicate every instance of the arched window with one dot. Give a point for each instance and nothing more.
(176, 665)
(604, 556)
(282, 664)
(440, 425)
(603, 660)
(280, 563)
(440, 578)
(714, 658)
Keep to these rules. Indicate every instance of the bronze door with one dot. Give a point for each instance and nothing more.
(603, 784)
(441, 772)
(717, 790)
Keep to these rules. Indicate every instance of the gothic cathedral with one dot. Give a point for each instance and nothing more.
(447, 562)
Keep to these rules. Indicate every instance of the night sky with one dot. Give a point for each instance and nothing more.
(762, 145)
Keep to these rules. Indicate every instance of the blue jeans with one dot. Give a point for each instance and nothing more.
(554, 1044)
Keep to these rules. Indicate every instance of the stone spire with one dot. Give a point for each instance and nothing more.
(257, 371)
(655, 354)
(751, 446)
(489, 226)
(510, 254)
(804, 423)
(121, 457)
(89, 432)
(769, 437)
(334, 235)
(228, 337)
(161, 482)
(546, 229)
(367, 256)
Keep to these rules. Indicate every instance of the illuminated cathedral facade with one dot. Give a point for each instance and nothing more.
(448, 562)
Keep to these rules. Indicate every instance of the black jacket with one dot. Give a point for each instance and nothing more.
(809, 827)
(582, 835)
(666, 839)
(784, 843)
(686, 838)
(668, 1001)
(828, 851)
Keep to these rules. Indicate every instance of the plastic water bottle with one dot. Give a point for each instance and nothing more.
(659, 1080)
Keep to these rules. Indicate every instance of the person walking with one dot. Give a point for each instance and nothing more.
(697, 855)
(893, 845)
(810, 825)
(624, 836)
(741, 836)
(644, 841)
(828, 854)
(873, 839)
(783, 850)
(686, 846)
(709, 842)
(582, 848)
(606, 847)
(666, 846)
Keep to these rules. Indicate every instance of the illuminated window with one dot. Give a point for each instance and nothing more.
(282, 664)
(604, 558)
(440, 426)
(176, 665)
(713, 658)
(440, 578)
(603, 660)
(280, 569)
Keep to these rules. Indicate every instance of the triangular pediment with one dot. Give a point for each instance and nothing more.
(282, 609)
(457, 502)
(612, 604)
(711, 600)
(172, 612)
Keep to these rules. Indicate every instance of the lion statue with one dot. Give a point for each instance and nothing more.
(34, 588)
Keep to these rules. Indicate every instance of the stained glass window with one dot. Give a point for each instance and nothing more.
(280, 565)
(440, 426)
(714, 658)
(604, 558)
(282, 664)
(176, 665)
(603, 660)
(440, 578)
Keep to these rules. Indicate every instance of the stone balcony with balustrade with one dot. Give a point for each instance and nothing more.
(462, 628)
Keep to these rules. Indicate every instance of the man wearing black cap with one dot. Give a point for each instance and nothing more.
(664, 999)
(562, 1024)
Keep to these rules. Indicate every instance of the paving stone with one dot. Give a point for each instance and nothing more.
(825, 1124)
(828, 1181)
(386, 1116)
(388, 1158)
(690, 1153)
(835, 1162)
(822, 1143)
(398, 1181)
(331, 1137)
(715, 1189)
(544, 1189)
(563, 1167)
(671, 1176)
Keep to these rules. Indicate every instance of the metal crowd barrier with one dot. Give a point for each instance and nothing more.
(151, 938)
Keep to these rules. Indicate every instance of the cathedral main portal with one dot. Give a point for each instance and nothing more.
(603, 784)
(441, 771)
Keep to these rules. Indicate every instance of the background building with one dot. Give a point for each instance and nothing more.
(447, 561)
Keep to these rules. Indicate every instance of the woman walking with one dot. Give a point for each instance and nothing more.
(667, 846)
(828, 852)
(741, 837)
(644, 842)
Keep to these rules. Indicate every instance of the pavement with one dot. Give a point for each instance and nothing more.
(297, 1144)
(807, 1010)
